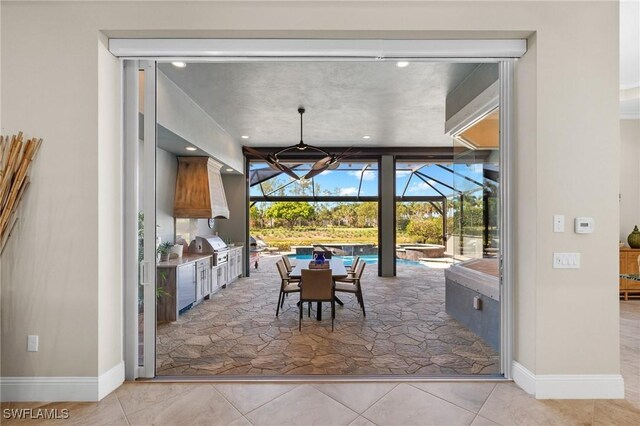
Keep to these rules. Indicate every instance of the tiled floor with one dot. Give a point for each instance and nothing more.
(373, 403)
(425, 403)
(406, 332)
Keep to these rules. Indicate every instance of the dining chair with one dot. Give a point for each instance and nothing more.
(287, 284)
(287, 263)
(317, 286)
(351, 269)
(353, 284)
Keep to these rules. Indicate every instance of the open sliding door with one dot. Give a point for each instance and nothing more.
(140, 217)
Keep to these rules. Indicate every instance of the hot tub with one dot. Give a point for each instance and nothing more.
(419, 251)
(466, 284)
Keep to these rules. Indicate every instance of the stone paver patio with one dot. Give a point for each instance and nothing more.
(405, 332)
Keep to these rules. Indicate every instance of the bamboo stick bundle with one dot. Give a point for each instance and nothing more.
(3, 149)
(15, 162)
(19, 174)
(10, 168)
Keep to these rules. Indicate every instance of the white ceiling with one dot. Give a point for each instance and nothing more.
(344, 100)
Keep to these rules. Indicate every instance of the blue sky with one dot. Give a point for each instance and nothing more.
(346, 179)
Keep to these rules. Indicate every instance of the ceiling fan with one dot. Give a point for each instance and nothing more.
(329, 161)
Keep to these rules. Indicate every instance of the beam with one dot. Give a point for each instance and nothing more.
(387, 217)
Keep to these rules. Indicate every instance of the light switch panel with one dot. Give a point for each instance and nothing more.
(32, 343)
(558, 223)
(566, 260)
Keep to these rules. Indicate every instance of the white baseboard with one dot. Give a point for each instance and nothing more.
(110, 380)
(54, 389)
(568, 386)
(523, 378)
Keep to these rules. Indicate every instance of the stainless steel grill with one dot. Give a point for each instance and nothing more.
(211, 244)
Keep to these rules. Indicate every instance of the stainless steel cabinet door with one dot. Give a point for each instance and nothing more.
(186, 276)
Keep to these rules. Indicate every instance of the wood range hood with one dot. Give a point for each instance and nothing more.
(199, 190)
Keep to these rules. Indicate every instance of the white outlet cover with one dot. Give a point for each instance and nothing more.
(32, 343)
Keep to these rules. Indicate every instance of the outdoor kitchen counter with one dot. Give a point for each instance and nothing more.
(184, 260)
(185, 281)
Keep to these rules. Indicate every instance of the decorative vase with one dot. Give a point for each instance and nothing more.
(634, 238)
(319, 258)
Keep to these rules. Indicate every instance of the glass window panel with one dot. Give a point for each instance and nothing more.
(343, 180)
(255, 191)
(469, 176)
(298, 188)
(403, 174)
(419, 188)
(369, 183)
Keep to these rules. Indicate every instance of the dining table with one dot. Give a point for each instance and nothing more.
(338, 270)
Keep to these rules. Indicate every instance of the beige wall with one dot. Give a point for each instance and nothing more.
(629, 177)
(567, 321)
(577, 310)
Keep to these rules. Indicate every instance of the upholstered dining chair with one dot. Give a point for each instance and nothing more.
(287, 263)
(317, 286)
(353, 284)
(287, 284)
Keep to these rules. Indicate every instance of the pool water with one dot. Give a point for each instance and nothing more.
(371, 259)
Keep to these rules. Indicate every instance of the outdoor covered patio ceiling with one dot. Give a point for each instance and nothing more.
(344, 101)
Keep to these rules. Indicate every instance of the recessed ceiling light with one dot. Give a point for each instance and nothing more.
(179, 64)
(229, 170)
(366, 137)
(402, 64)
(191, 148)
(244, 137)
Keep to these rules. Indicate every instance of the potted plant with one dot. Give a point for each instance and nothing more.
(161, 290)
(164, 249)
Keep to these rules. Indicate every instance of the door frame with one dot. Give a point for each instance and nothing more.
(504, 52)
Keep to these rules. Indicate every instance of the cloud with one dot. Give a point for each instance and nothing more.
(401, 173)
(419, 187)
(367, 175)
(349, 191)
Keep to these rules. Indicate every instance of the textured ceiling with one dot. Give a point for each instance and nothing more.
(344, 100)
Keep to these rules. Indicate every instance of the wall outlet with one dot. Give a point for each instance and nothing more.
(558, 223)
(32, 343)
(566, 260)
